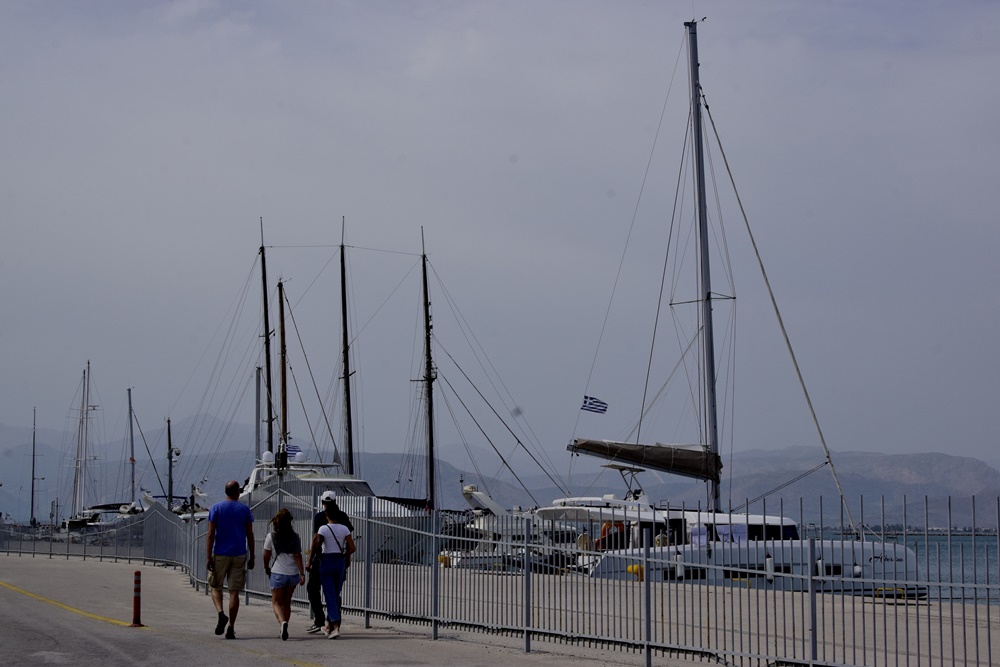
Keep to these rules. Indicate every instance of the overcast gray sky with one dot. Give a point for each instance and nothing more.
(142, 142)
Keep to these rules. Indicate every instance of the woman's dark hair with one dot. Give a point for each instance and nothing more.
(284, 539)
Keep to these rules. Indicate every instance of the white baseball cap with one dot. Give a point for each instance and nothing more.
(328, 496)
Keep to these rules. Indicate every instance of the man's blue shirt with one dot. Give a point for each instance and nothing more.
(230, 518)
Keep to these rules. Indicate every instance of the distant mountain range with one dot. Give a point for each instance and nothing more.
(874, 484)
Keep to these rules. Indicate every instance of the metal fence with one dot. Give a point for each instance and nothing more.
(419, 569)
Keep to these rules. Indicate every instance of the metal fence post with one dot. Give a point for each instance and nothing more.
(812, 601)
(647, 537)
(526, 569)
(369, 544)
(435, 574)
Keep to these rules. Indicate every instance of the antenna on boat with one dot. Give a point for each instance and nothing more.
(708, 349)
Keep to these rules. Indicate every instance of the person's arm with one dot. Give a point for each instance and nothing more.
(349, 545)
(302, 572)
(209, 544)
(267, 562)
(314, 548)
(251, 545)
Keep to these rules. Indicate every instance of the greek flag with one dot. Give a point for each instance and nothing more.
(592, 404)
(292, 449)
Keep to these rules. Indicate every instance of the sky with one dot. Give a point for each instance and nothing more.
(144, 143)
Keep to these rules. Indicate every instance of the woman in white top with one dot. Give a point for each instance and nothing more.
(338, 545)
(288, 571)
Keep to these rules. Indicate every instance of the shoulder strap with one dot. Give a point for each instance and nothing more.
(334, 536)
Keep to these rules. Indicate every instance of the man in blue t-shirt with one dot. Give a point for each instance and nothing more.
(229, 541)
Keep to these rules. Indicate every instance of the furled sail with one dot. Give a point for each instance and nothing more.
(684, 461)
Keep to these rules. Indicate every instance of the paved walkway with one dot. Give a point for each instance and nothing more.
(72, 610)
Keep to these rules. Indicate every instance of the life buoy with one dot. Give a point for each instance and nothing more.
(612, 536)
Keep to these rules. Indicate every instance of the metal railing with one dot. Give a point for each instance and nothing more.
(427, 569)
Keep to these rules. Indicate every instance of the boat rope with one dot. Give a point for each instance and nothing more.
(312, 377)
(781, 322)
(628, 237)
(562, 487)
(476, 422)
(461, 437)
(780, 487)
(152, 460)
(492, 376)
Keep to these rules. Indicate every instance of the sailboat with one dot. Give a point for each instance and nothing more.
(401, 522)
(83, 516)
(707, 544)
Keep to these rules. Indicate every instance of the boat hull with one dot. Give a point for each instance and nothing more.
(855, 567)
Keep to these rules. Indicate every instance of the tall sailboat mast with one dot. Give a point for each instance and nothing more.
(267, 343)
(429, 376)
(80, 468)
(348, 414)
(131, 441)
(705, 288)
(33, 426)
(281, 460)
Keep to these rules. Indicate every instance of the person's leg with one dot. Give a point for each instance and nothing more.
(314, 590)
(338, 576)
(237, 581)
(217, 598)
(284, 610)
(234, 606)
(216, 579)
(276, 594)
(328, 582)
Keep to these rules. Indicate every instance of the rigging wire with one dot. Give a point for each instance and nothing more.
(476, 422)
(562, 487)
(312, 378)
(621, 263)
(490, 372)
(781, 324)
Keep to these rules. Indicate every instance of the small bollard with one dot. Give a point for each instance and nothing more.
(136, 601)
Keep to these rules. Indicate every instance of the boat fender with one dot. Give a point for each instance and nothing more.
(858, 570)
(636, 571)
(820, 569)
(769, 568)
(679, 566)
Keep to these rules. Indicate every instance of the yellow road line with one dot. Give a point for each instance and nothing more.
(96, 617)
(64, 606)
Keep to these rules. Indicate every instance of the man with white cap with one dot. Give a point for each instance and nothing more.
(313, 586)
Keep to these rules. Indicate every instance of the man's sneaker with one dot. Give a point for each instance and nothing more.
(284, 631)
(313, 629)
(230, 633)
(220, 627)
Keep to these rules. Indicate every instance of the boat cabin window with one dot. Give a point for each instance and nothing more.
(722, 532)
(677, 531)
(658, 532)
(742, 533)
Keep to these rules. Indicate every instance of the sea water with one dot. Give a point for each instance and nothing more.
(963, 567)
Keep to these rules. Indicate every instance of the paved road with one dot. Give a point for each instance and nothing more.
(57, 611)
